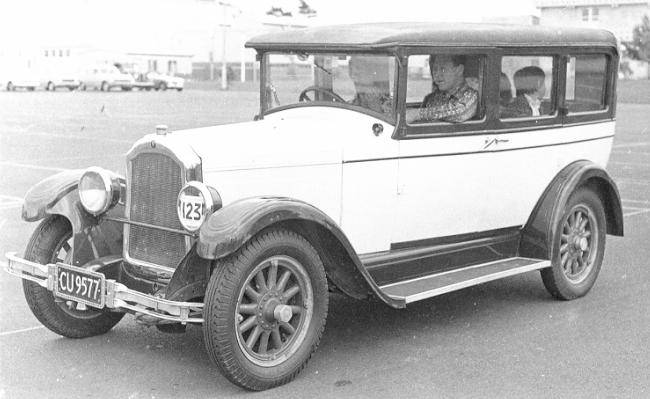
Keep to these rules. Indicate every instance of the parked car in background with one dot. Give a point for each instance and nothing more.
(19, 80)
(142, 82)
(62, 80)
(164, 82)
(105, 77)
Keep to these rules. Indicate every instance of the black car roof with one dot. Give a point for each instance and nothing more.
(384, 35)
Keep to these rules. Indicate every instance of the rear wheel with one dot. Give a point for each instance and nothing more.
(579, 247)
(51, 243)
(265, 310)
(50, 87)
(10, 87)
(104, 87)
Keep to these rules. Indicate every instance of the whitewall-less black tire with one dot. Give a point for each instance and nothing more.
(265, 310)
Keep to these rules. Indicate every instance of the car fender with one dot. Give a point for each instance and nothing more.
(540, 228)
(58, 194)
(227, 229)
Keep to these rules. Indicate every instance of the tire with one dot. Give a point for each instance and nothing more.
(50, 87)
(578, 247)
(229, 305)
(66, 318)
(104, 87)
(163, 86)
(11, 87)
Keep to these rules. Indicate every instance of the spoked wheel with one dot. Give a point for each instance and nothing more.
(51, 243)
(579, 247)
(275, 304)
(265, 310)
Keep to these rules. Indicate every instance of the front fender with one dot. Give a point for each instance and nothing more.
(540, 228)
(226, 230)
(93, 237)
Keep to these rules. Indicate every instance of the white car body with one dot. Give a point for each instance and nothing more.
(164, 82)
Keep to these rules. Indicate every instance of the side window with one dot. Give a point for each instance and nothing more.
(444, 88)
(585, 83)
(525, 87)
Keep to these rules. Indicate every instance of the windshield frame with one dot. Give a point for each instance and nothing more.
(263, 57)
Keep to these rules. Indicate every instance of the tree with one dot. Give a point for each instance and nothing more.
(639, 47)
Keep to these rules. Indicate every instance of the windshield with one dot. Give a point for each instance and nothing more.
(358, 81)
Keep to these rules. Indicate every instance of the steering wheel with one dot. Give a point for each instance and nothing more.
(317, 89)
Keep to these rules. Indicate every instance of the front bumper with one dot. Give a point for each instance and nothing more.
(116, 295)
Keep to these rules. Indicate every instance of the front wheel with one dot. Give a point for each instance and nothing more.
(51, 243)
(579, 247)
(265, 310)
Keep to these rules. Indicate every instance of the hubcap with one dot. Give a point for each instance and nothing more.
(274, 310)
(578, 243)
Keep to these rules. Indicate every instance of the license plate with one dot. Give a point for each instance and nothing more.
(79, 285)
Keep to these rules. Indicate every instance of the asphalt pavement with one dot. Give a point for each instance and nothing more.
(503, 339)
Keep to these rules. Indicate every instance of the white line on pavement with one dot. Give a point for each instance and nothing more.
(636, 212)
(22, 330)
(30, 166)
(627, 145)
(633, 181)
(628, 163)
(645, 202)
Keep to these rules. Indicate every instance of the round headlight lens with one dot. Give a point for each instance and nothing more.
(97, 190)
(196, 201)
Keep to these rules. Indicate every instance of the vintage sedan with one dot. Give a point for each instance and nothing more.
(393, 162)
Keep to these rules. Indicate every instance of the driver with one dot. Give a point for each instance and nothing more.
(371, 83)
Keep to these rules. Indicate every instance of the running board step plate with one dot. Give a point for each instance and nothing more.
(440, 283)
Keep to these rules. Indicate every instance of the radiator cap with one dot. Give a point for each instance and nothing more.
(162, 130)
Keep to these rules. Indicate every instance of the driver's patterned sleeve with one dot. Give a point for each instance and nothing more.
(456, 106)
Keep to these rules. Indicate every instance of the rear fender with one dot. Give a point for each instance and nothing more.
(226, 230)
(540, 228)
(93, 237)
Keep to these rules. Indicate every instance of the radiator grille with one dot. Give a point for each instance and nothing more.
(155, 182)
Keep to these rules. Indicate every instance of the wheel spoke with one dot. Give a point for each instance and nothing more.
(288, 327)
(288, 294)
(564, 237)
(283, 280)
(253, 337)
(276, 339)
(261, 282)
(273, 274)
(574, 264)
(252, 294)
(563, 248)
(583, 224)
(581, 261)
(586, 234)
(295, 309)
(572, 220)
(247, 324)
(247, 308)
(264, 342)
(565, 257)
(578, 219)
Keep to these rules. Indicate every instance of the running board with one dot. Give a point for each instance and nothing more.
(440, 283)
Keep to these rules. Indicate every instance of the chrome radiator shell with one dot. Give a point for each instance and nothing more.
(157, 168)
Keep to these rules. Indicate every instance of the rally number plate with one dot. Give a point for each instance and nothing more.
(79, 285)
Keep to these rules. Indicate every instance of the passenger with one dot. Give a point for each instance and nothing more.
(505, 90)
(371, 83)
(530, 88)
(452, 99)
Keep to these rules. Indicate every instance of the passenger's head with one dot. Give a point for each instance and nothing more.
(505, 89)
(368, 70)
(447, 71)
(530, 80)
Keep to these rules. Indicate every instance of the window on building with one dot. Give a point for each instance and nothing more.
(46, 53)
(594, 14)
(60, 53)
(585, 83)
(67, 53)
(585, 14)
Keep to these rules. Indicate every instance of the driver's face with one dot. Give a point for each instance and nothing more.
(444, 73)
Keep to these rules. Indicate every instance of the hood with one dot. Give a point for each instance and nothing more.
(268, 143)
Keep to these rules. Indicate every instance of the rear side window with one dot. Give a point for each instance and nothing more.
(585, 83)
(525, 87)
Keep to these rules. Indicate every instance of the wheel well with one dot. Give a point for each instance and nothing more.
(340, 268)
(611, 203)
